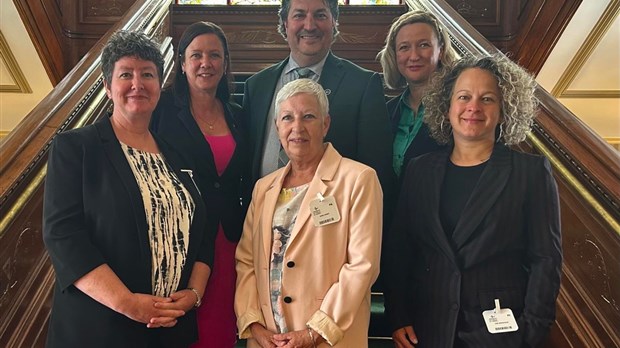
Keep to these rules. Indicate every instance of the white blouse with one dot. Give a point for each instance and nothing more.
(169, 210)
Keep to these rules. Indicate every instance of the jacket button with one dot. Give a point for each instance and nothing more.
(288, 299)
(216, 185)
(290, 264)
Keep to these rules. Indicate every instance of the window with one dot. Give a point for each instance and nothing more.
(277, 2)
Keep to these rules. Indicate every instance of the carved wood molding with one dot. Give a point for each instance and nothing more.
(42, 21)
(20, 83)
(541, 25)
(256, 44)
(560, 90)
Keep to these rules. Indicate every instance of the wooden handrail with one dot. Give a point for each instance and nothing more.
(77, 100)
(27, 276)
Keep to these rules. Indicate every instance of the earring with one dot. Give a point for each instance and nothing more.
(183, 72)
(501, 132)
(443, 120)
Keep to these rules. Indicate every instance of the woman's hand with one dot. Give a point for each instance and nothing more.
(405, 337)
(298, 339)
(182, 301)
(262, 336)
(144, 308)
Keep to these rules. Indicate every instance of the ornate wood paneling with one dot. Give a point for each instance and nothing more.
(256, 43)
(85, 21)
(42, 20)
(495, 19)
(525, 29)
(541, 22)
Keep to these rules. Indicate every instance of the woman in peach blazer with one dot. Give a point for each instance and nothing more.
(304, 280)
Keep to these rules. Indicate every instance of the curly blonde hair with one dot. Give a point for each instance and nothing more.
(518, 104)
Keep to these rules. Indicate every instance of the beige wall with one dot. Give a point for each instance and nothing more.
(15, 105)
(583, 71)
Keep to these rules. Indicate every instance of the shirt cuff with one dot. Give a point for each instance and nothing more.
(244, 322)
(326, 327)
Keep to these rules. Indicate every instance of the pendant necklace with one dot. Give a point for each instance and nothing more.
(210, 125)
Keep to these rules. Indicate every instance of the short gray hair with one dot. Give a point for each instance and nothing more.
(306, 86)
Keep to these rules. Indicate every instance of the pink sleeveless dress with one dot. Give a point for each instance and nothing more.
(216, 317)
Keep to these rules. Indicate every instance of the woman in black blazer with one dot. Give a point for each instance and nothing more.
(197, 117)
(477, 225)
(124, 225)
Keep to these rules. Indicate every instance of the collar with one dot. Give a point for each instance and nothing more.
(317, 68)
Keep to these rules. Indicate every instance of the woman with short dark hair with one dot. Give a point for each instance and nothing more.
(123, 222)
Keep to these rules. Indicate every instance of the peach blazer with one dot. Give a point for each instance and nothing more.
(328, 270)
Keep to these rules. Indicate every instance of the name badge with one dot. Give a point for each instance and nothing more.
(324, 210)
(500, 320)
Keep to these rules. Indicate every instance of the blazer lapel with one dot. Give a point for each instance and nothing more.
(324, 172)
(269, 207)
(490, 185)
(331, 76)
(207, 162)
(113, 151)
(435, 174)
(262, 102)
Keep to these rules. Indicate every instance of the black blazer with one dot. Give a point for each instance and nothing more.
(223, 195)
(93, 214)
(359, 127)
(506, 245)
(421, 144)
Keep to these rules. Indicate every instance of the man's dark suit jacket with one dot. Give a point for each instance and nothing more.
(359, 127)
(94, 214)
(505, 246)
(224, 194)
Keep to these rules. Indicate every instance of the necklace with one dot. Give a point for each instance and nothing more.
(211, 125)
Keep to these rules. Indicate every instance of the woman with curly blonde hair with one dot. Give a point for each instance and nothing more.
(475, 240)
(416, 46)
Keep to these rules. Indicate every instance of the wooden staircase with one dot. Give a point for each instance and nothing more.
(587, 170)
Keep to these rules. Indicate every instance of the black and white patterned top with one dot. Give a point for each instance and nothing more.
(169, 210)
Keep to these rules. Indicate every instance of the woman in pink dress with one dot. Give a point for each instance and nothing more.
(197, 117)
